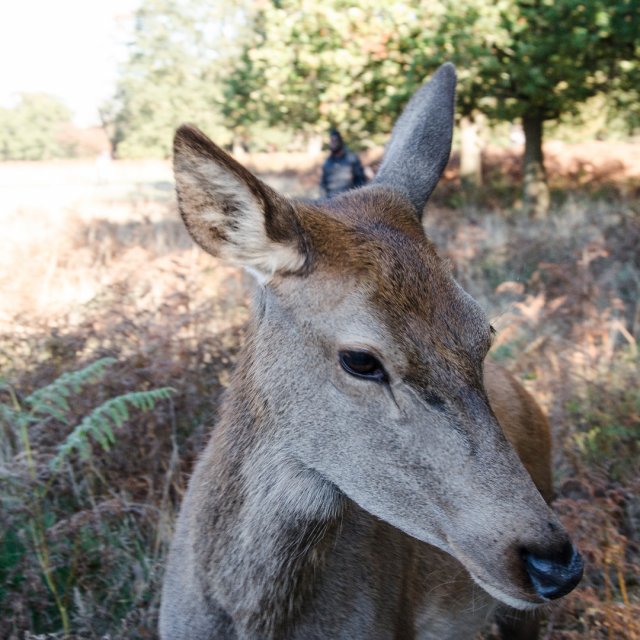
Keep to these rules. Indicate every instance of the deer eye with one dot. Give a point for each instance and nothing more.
(362, 364)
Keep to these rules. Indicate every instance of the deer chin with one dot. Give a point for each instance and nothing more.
(500, 594)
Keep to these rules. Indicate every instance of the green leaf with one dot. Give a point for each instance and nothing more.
(97, 426)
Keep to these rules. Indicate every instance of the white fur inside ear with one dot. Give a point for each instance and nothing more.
(226, 204)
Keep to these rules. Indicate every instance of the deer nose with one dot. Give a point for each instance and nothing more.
(553, 575)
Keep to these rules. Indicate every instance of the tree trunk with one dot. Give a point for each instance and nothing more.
(536, 198)
(470, 153)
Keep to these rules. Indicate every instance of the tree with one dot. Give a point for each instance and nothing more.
(312, 65)
(31, 130)
(171, 76)
(304, 66)
(536, 60)
(309, 65)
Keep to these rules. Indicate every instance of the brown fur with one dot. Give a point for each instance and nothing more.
(524, 424)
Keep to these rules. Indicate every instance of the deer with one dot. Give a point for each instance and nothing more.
(370, 474)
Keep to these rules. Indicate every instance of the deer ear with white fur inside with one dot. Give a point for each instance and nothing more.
(229, 212)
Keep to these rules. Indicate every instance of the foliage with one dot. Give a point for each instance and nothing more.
(30, 500)
(535, 57)
(563, 294)
(98, 424)
(171, 76)
(313, 65)
(607, 417)
(300, 67)
(126, 283)
(538, 60)
(31, 130)
(308, 64)
(625, 91)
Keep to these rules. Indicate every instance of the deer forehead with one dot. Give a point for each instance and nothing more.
(378, 279)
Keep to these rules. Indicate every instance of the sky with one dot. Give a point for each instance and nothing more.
(67, 48)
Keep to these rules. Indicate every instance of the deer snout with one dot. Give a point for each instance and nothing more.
(553, 573)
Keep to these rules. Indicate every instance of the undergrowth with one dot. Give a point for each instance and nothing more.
(96, 523)
(35, 479)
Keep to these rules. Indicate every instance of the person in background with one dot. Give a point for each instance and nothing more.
(342, 170)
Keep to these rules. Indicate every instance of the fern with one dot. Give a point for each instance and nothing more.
(7, 414)
(99, 424)
(53, 400)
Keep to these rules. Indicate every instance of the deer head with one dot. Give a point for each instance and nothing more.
(367, 359)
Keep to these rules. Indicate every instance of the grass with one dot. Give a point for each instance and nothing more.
(101, 271)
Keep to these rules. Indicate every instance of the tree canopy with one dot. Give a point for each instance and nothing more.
(537, 60)
(314, 65)
(32, 128)
(172, 75)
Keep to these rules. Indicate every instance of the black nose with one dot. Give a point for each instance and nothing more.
(553, 575)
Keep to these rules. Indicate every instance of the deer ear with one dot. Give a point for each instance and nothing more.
(229, 212)
(420, 142)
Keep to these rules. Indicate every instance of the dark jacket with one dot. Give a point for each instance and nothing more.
(340, 173)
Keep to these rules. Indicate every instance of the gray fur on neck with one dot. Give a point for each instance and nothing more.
(270, 521)
(420, 143)
(265, 561)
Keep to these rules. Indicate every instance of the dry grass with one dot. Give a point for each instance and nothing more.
(90, 270)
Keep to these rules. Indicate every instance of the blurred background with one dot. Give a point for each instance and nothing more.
(117, 334)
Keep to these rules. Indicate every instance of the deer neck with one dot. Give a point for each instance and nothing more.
(271, 520)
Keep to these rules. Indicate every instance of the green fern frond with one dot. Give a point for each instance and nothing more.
(7, 414)
(99, 424)
(52, 400)
(73, 381)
